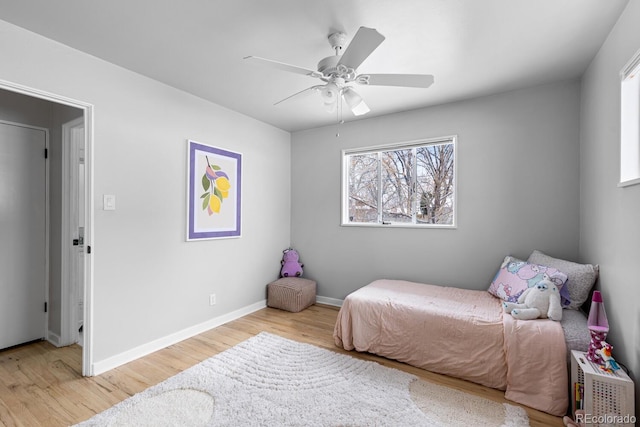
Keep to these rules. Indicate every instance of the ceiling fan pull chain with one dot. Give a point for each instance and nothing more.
(341, 120)
(339, 114)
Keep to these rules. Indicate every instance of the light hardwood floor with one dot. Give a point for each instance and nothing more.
(41, 385)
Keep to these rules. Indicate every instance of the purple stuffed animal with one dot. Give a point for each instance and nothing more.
(290, 265)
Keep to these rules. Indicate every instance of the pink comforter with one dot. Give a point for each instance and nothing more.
(461, 333)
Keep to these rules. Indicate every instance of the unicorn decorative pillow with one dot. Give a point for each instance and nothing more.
(515, 276)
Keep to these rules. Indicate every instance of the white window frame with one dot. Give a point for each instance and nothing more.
(630, 122)
(451, 139)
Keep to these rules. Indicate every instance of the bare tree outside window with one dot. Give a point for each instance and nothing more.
(363, 188)
(397, 188)
(435, 184)
(411, 184)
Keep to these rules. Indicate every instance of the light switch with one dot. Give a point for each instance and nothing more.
(109, 202)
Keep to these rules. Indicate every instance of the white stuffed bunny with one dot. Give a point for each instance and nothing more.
(539, 301)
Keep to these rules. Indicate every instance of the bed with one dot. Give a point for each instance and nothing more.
(463, 333)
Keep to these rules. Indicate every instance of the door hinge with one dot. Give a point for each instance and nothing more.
(45, 307)
(46, 153)
(88, 249)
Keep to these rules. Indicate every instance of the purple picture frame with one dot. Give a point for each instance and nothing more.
(214, 192)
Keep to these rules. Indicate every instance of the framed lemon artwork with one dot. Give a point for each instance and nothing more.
(213, 193)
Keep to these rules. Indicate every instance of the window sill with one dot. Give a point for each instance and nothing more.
(629, 183)
(378, 225)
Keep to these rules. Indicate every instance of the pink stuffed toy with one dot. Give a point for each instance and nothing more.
(290, 265)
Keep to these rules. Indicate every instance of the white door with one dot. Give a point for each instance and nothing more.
(23, 234)
(73, 231)
(78, 151)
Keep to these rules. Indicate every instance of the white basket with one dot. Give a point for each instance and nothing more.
(607, 398)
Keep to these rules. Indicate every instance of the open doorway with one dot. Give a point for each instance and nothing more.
(68, 276)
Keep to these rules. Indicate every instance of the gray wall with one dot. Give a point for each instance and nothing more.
(610, 216)
(518, 187)
(148, 282)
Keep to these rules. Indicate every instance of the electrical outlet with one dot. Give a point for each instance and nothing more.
(212, 299)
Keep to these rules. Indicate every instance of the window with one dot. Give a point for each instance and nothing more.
(630, 122)
(410, 184)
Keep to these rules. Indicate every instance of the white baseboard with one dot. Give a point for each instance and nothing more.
(329, 301)
(54, 339)
(153, 346)
(112, 362)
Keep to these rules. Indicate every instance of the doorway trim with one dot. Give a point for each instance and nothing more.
(87, 348)
(69, 293)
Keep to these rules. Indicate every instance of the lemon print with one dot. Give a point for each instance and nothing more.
(214, 204)
(223, 184)
(216, 185)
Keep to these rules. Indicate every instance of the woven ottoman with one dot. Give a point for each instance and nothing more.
(292, 294)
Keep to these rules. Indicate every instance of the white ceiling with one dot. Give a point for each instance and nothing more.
(472, 47)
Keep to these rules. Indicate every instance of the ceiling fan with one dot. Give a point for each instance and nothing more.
(338, 72)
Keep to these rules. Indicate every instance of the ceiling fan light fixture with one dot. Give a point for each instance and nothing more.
(355, 102)
(330, 93)
(330, 107)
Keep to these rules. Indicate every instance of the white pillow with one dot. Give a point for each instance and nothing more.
(581, 277)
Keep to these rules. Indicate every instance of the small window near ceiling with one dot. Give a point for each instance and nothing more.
(630, 122)
(401, 185)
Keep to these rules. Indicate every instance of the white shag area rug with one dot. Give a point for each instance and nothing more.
(268, 380)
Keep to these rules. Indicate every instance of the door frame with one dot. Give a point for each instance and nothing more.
(87, 109)
(69, 294)
(47, 226)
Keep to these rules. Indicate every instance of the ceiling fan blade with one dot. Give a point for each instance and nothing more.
(406, 80)
(317, 87)
(282, 66)
(364, 42)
